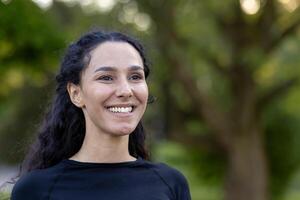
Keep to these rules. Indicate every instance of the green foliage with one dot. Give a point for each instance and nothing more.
(30, 45)
(283, 143)
(20, 120)
(31, 48)
(29, 36)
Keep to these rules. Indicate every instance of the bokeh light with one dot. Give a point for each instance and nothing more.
(290, 5)
(250, 7)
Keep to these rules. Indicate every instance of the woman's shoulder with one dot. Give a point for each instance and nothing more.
(34, 183)
(173, 178)
(168, 173)
(27, 186)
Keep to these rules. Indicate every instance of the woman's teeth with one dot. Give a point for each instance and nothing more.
(120, 109)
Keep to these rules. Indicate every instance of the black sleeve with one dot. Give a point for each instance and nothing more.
(182, 190)
(26, 187)
(175, 181)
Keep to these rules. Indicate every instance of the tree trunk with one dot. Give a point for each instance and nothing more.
(247, 177)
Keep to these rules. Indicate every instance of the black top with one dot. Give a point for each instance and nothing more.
(133, 180)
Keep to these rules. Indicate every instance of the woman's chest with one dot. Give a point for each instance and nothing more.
(108, 186)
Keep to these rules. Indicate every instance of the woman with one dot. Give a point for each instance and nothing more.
(91, 144)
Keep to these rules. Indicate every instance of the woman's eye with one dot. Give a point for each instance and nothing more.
(136, 77)
(105, 78)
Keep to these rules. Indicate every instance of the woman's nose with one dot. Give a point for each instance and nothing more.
(124, 89)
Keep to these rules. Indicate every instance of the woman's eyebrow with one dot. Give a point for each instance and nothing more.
(105, 68)
(135, 67)
(110, 68)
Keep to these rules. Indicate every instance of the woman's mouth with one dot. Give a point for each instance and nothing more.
(115, 109)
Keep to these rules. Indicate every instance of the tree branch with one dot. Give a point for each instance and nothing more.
(291, 29)
(276, 91)
(172, 50)
(203, 105)
(215, 64)
(268, 14)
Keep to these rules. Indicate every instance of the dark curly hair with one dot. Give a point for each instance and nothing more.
(61, 134)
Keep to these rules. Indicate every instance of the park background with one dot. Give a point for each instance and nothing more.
(225, 76)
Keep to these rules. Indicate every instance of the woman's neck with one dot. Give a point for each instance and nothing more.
(103, 148)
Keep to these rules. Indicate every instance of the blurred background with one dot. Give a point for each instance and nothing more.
(225, 75)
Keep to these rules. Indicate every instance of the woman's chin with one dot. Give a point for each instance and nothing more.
(124, 131)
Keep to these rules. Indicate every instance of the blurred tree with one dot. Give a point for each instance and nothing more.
(215, 53)
(29, 47)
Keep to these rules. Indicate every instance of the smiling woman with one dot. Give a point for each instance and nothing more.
(91, 143)
(113, 92)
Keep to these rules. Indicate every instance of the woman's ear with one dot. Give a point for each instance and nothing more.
(75, 94)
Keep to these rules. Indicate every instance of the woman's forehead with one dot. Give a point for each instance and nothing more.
(115, 54)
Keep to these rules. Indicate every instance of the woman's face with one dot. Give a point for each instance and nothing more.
(113, 92)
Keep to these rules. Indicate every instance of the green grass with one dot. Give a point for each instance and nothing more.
(293, 191)
(4, 196)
